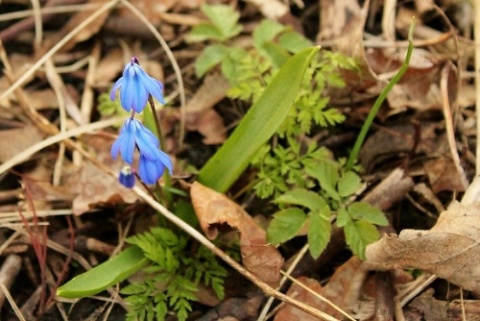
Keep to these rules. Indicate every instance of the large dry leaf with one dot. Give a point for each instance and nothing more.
(450, 249)
(200, 113)
(343, 290)
(16, 140)
(92, 186)
(214, 209)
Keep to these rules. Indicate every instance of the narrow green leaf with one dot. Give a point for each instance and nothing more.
(293, 41)
(359, 234)
(348, 184)
(367, 212)
(104, 275)
(285, 225)
(275, 53)
(258, 125)
(302, 197)
(319, 231)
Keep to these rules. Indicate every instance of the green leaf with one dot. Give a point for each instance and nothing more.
(204, 31)
(326, 172)
(105, 274)
(266, 31)
(223, 25)
(293, 41)
(277, 54)
(209, 58)
(343, 217)
(349, 183)
(285, 225)
(367, 212)
(358, 235)
(319, 231)
(259, 125)
(302, 197)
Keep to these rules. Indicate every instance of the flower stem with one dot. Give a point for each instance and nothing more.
(378, 103)
(158, 131)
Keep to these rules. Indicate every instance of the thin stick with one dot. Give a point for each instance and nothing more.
(319, 296)
(234, 264)
(55, 139)
(289, 271)
(12, 302)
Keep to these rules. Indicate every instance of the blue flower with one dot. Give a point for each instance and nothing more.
(151, 170)
(152, 162)
(126, 177)
(134, 134)
(135, 87)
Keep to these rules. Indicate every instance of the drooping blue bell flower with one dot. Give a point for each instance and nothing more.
(134, 135)
(135, 87)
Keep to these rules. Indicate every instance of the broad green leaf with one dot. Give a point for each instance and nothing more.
(359, 234)
(258, 126)
(343, 217)
(222, 26)
(266, 31)
(293, 41)
(302, 197)
(105, 274)
(319, 231)
(367, 212)
(285, 225)
(326, 172)
(225, 18)
(204, 31)
(209, 58)
(348, 184)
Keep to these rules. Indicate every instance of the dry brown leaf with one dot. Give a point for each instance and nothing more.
(109, 67)
(153, 9)
(201, 116)
(214, 209)
(343, 290)
(23, 138)
(450, 249)
(443, 176)
(350, 43)
(94, 187)
(73, 22)
(209, 124)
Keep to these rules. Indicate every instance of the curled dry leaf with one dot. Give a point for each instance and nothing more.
(450, 249)
(213, 209)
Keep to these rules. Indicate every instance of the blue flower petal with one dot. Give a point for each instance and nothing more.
(115, 87)
(135, 87)
(166, 161)
(127, 93)
(150, 171)
(153, 86)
